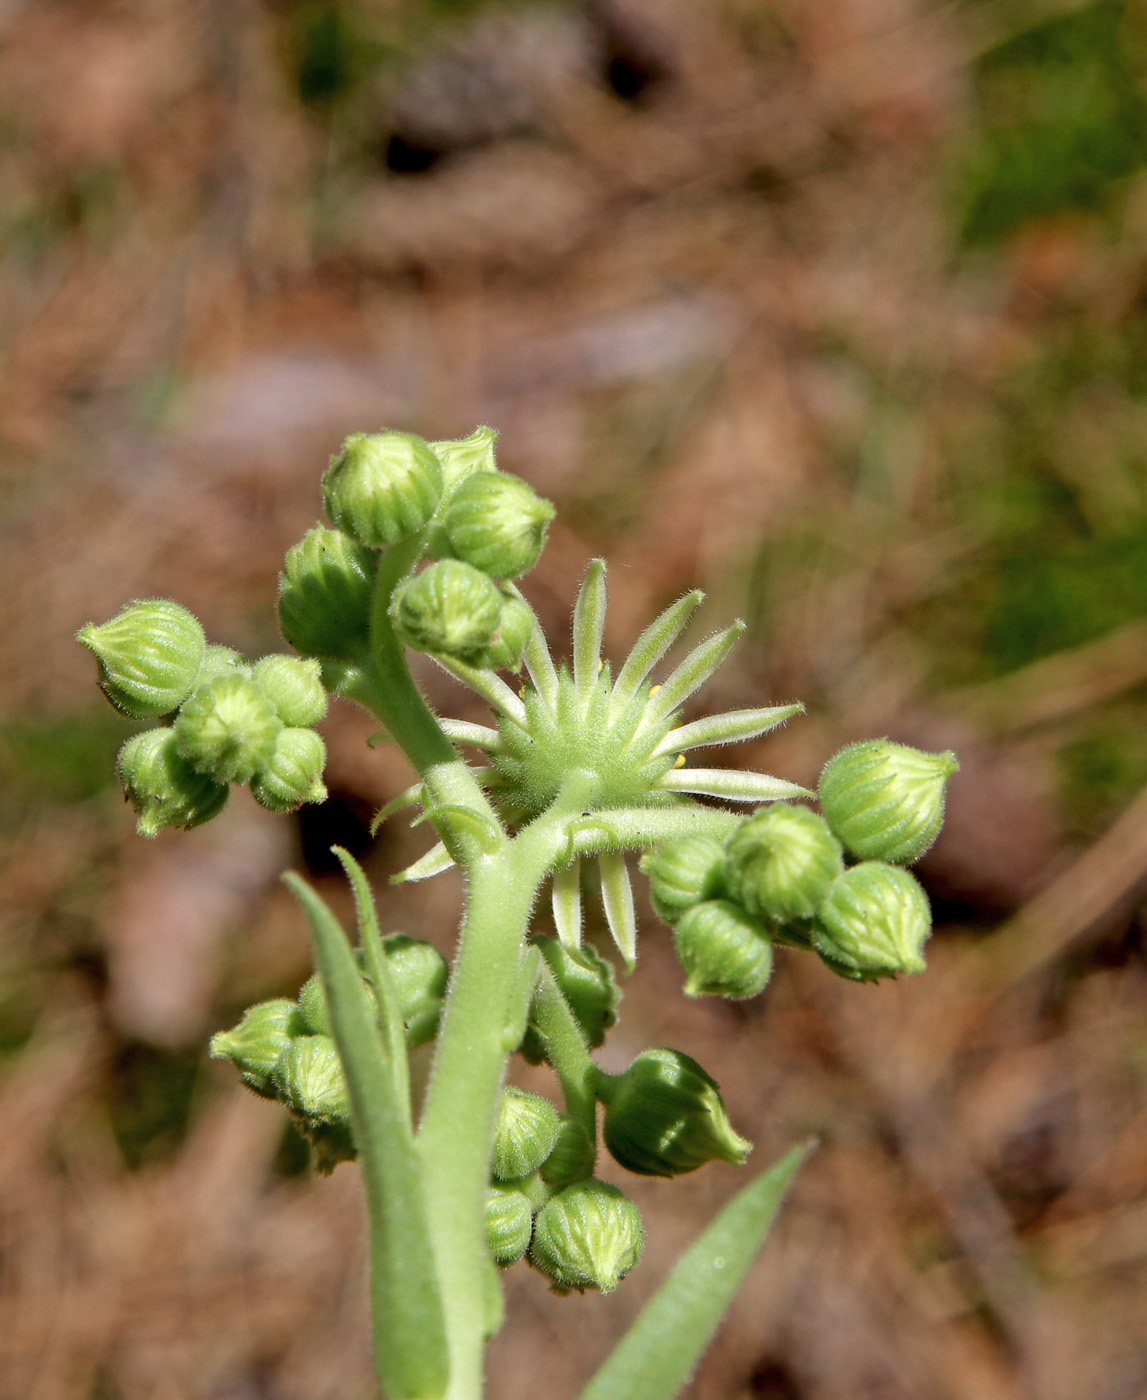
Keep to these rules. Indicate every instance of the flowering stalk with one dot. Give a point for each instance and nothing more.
(580, 771)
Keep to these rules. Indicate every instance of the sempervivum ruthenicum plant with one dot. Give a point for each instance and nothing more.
(426, 542)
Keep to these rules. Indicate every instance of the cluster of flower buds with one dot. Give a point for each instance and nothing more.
(284, 1049)
(545, 1204)
(786, 875)
(482, 529)
(226, 720)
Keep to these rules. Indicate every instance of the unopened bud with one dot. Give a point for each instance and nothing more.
(525, 1134)
(509, 1224)
(873, 923)
(257, 1044)
(515, 627)
(588, 1236)
(460, 457)
(294, 687)
(293, 774)
(221, 661)
(886, 801)
(149, 656)
(227, 730)
(419, 973)
(781, 861)
(498, 523)
(450, 608)
(724, 951)
(325, 593)
(163, 787)
(382, 487)
(572, 1157)
(310, 1078)
(683, 873)
(664, 1116)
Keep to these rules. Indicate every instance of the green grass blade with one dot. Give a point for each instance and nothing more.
(409, 1328)
(659, 1352)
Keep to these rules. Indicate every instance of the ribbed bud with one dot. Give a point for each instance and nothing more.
(450, 608)
(724, 951)
(683, 873)
(257, 1044)
(886, 801)
(293, 774)
(525, 1133)
(310, 1078)
(664, 1116)
(873, 923)
(163, 787)
(781, 861)
(588, 1236)
(294, 687)
(221, 661)
(572, 1157)
(509, 1224)
(149, 656)
(460, 457)
(498, 523)
(419, 973)
(227, 730)
(382, 487)
(324, 595)
(589, 986)
(515, 627)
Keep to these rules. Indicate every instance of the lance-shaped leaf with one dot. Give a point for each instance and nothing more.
(540, 665)
(727, 728)
(377, 966)
(490, 687)
(659, 1352)
(405, 1299)
(638, 828)
(461, 731)
(651, 646)
(692, 674)
(732, 783)
(434, 862)
(567, 904)
(588, 626)
(408, 797)
(617, 896)
(460, 820)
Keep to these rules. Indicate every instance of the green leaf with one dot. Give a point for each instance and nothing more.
(404, 1286)
(588, 627)
(377, 966)
(659, 1352)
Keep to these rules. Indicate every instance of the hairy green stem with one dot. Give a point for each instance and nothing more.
(568, 1054)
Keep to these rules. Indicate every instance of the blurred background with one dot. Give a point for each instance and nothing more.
(835, 308)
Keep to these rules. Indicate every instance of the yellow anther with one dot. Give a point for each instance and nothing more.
(653, 689)
(680, 761)
(600, 665)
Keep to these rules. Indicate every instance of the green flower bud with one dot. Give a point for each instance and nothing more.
(589, 986)
(724, 951)
(525, 1134)
(509, 1224)
(310, 1078)
(257, 1044)
(163, 787)
(873, 923)
(382, 487)
(332, 1142)
(886, 801)
(222, 661)
(293, 774)
(664, 1116)
(572, 1157)
(294, 687)
(497, 523)
(588, 1236)
(781, 861)
(462, 456)
(683, 873)
(419, 973)
(450, 608)
(515, 627)
(149, 656)
(324, 595)
(227, 730)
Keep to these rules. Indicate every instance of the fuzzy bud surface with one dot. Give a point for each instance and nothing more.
(886, 801)
(149, 656)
